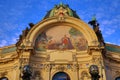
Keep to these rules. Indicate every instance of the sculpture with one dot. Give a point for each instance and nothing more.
(95, 25)
(26, 73)
(94, 71)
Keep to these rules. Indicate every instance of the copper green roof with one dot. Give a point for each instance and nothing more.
(113, 48)
(8, 50)
(70, 12)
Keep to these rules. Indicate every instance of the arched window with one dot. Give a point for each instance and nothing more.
(3, 78)
(61, 76)
(118, 78)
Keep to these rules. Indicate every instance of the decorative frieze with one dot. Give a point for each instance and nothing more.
(96, 60)
(60, 67)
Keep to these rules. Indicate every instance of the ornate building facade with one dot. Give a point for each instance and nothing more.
(60, 47)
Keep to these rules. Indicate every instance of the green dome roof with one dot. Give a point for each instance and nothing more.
(61, 9)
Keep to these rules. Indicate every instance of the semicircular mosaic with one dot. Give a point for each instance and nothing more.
(61, 38)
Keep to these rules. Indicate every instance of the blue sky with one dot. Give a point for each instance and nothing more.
(16, 14)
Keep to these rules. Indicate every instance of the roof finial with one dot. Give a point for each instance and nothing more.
(94, 17)
(61, 10)
(61, 3)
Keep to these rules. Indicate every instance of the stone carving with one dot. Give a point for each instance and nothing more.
(3, 73)
(25, 32)
(61, 67)
(95, 25)
(47, 67)
(24, 60)
(61, 12)
(117, 73)
(75, 67)
(96, 60)
(37, 75)
(26, 73)
(84, 75)
(31, 25)
(22, 36)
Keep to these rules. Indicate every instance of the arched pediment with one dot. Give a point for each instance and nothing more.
(66, 25)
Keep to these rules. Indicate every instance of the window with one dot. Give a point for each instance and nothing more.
(118, 78)
(3, 78)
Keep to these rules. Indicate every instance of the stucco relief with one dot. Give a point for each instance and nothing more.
(117, 74)
(3, 73)
(59, 67)
(84, 75)
(97, 60)
(37, 76)
(61, 38)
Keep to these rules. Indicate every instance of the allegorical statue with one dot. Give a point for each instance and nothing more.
(26, 73)
(94, 71)
(95, 25)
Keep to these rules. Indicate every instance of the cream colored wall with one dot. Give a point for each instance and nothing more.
(77, 58)
(11, 68)
(82, 60)
(83, 57)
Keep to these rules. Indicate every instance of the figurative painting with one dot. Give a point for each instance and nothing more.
(61, 38)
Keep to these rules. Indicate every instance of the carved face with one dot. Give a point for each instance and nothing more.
(60, 12)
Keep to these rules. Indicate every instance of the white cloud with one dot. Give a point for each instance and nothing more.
(8, 42)
(13, 40)
(110, 31)
(109, 42)
(10, 26)
(3, 43)
(107, 22)
(115, 4)
(109, 27)
(118, 42)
